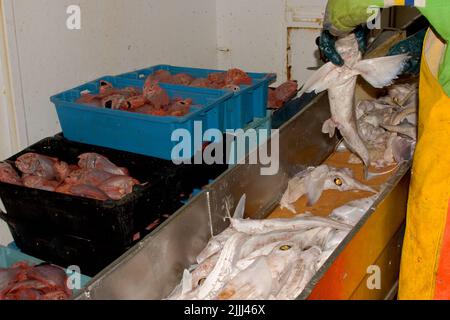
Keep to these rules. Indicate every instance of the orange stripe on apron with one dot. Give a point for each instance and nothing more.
(442, 289)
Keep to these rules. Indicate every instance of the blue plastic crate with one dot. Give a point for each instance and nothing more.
(138, 133)
(9, 257)
(246, 105)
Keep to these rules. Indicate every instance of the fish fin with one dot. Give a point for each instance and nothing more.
(380, 72)
(285, 205)
(321, 80)
(240, 209)
(291, 208)
(314, 184)
(329, 127)
(295, 190)
(186, 282)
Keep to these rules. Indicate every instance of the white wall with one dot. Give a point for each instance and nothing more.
(5, 143)
(116, 36)
(252, 35)
(256, 35)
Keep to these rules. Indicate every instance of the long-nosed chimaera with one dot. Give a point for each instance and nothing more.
(314, 180)
(341, 84)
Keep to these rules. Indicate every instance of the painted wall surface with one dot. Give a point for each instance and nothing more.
(304, 19)
(270, 35)
(252, 35)
(115, 36)
(5, 143)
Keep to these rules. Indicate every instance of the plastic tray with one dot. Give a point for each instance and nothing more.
(9, 257)
(246, 105)
(139, 133)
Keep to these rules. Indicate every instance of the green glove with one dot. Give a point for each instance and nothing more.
(413, 47)
(342, 16)
(327, 47)
(438, 13)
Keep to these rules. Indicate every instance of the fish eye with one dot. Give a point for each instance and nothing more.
(201, 281)
(236, 89)
(285, 247)
(338, 182)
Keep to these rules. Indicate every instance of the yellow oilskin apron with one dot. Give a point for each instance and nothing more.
(425, 265)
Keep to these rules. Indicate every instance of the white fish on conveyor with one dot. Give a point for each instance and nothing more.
(263, 245)
(304, 238)
(341, 84)
(302, 272)
(254, 283)
(191, 288)
(201, 272)
(300, 222)
(280, 261)
(351, 213)
(313, 181)
(216, 243)
(223, 268)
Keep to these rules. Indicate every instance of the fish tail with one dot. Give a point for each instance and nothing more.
(356, 144)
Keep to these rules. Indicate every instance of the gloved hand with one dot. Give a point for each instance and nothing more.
(343, 16)
(327, 45)
(413, 47)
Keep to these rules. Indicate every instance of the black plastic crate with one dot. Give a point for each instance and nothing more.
(64, 250)
(109, 223)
